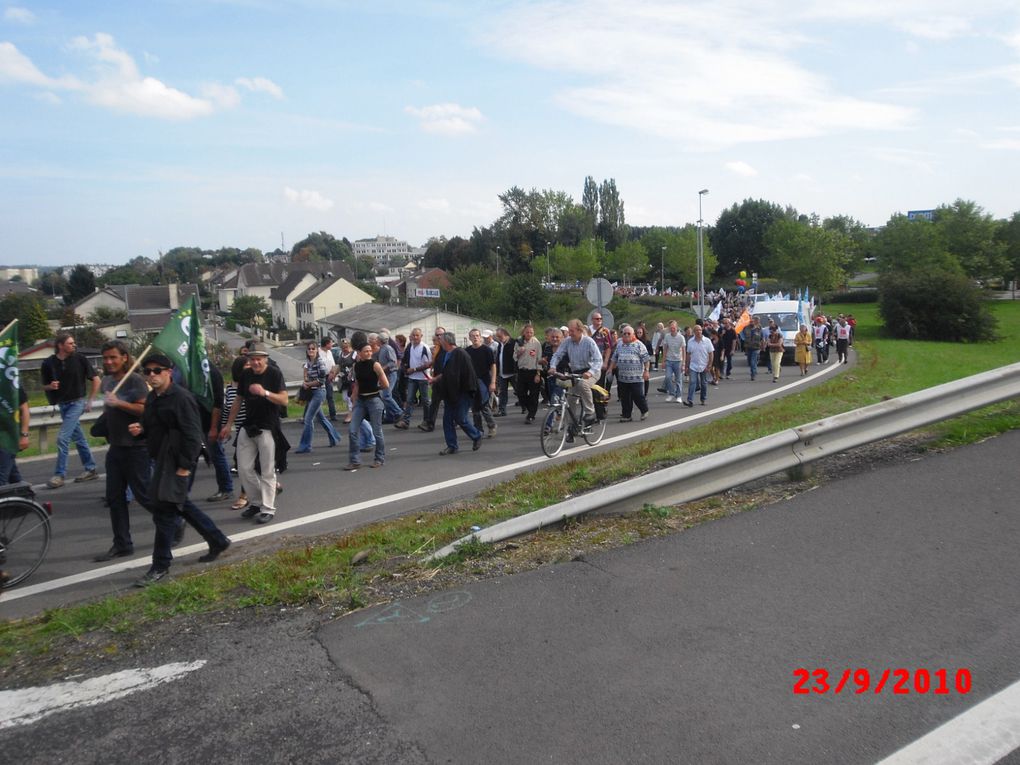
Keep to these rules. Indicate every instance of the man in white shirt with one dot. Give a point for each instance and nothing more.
(416, 362)
(328, 362)
(699, 357)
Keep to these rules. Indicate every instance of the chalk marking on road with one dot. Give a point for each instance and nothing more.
(401, 613)
(280, 526)
(23, 706)
(982, 735)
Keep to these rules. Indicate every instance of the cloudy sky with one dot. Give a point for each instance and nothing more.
(130, 128)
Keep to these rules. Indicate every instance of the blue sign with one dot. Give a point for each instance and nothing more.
(921, 214)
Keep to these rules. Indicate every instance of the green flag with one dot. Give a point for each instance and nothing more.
(9, 387)
(183, 341)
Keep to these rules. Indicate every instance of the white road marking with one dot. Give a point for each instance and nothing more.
(980, 736)
(281, 526)
(27, 705)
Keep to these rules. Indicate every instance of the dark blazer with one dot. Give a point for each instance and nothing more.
(173, 431)
(458, 376)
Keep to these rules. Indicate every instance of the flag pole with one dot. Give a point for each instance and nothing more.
(4, 330)
(132, 369)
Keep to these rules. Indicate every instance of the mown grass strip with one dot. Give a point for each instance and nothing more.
(324, 572)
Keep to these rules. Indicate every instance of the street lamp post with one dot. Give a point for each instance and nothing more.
(497, 261)
(662, 272)
(701, 261)
(548, 271)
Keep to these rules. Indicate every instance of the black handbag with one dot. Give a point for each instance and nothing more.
(100, 428)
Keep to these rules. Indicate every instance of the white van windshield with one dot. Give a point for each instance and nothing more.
(789, 322)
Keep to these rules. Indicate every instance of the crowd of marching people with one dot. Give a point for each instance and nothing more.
(157, 430)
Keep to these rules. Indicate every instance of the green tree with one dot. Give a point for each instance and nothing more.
(523, 297)
(52, 283)
(590, 203)
(738, 237)
(106, 315)
(322, 246)
(247, 307)
(80, 283)
(570, 264)
(679, 261)
(574, 226)
(808, 256)
(473, 291)
(934, 305)
(612, 226)
(28, 309)
(969, 234)
(628, 262)
(1009, 235)
(906, 246)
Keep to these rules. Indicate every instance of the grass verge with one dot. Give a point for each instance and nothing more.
(383, 560)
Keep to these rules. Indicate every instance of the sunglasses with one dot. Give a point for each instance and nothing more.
(154, 370)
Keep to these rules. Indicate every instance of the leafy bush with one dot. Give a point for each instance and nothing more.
(851, 296)
(934, 306)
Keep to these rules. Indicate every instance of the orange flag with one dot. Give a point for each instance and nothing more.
(743, 321)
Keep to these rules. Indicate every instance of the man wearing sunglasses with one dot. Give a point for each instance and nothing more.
(172, 427)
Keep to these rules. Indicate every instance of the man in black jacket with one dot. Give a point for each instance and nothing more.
(455, 385)
(172, 427)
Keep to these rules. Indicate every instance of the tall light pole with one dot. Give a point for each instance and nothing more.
(701, 261)
(497, 261)
(662, 272)
(548, 272)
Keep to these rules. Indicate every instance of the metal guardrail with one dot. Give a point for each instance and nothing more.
(788, 449)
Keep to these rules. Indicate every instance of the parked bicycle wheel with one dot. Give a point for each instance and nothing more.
(24, 538)
(554, 432)
(594, 434)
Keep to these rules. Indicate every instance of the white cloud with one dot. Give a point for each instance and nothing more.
(447, 119)
(48, 97)
(434, 205)
(741, 168)
(313, 200)
(1007, 144)
(260, 85)
(224, 96)
(706, 75)
(17, 67)
(914, 160)
(19, 15)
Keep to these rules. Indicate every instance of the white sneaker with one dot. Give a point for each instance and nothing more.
(670, 398)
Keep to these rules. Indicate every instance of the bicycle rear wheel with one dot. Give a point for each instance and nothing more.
(24, 538)
(554, 432)
(593, 434)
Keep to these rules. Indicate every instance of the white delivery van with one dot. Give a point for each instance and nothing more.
(784, 313)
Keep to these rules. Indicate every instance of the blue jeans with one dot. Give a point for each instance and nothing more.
(70, 430)
(421, 389)
(370, 409)
(752, 361)
(392, 407)
(699, 381)
(9, 472)
(128, 469)
(224, 481)
(674, 382)
(458, 415)
(314, 411)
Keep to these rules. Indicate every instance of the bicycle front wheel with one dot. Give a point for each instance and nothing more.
(554, 432)
(24, 538)
(592, 435)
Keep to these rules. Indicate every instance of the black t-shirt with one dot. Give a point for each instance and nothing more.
(728, 338)
(261, 413)
(482, 361)
(134, 389)
(72, 373)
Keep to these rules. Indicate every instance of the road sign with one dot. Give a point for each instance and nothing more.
(599, 292)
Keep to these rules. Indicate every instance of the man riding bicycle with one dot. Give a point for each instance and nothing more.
(585, 360)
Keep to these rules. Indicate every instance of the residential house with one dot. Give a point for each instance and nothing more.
(284, 306)
(260, 279)
(429, 284)
(327, 296)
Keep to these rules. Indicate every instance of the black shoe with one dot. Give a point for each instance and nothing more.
(688, 402)
(114, 552)
(220, 496)
(214, 553)
(589, 421)
(251, 511)
(661, 390)
(476, 444)
(448, 450)
(151, 576)
(528, 420)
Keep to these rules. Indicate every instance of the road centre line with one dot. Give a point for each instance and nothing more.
(982, 735)
(282, 526)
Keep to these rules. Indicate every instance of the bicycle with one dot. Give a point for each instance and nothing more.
(24, 533)
(563, 420)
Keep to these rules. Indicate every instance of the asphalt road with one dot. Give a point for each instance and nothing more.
(682, 649)
(319, 497)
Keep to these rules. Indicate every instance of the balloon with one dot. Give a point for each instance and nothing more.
(741, 289)
(740, 283)
(743, 274)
